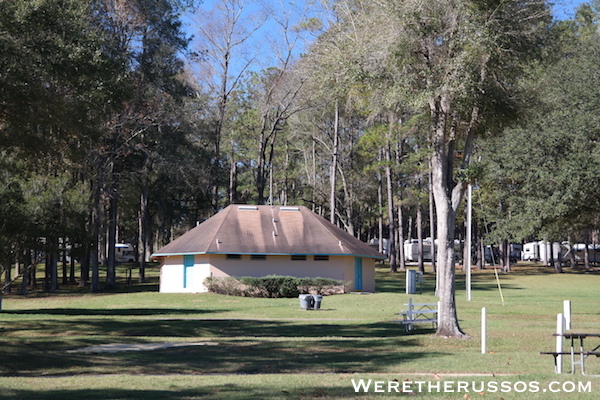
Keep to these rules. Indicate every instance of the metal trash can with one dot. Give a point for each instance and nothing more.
(306, 301)
(411, 281)
(318, 299)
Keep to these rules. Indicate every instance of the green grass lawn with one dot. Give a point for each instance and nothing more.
(271, 349)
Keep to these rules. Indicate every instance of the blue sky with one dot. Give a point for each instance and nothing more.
(564, 9)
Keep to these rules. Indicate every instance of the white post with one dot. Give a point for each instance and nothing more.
(410, 314)
(483, 330)
(567, 313)
(468, 240)
(560, 330)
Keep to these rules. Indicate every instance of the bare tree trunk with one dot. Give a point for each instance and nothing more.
(572, 261)
(586, 251)
(380, 204)
(7, 279)
(28, 265)
(232, 176)
(143, 226)
(51, 284)
(33, 271)
(65, 270)
(314, 173)
(261, 165)
(557, 257)
(480, 247)
(504, 247)
(71, 280)
(447, 316)
(391, 219)
(96, 215)
(420, 264)
(111, 268)
(447, 195)
(432, 226)
(85, 268)
(334, 162)
(401, 255)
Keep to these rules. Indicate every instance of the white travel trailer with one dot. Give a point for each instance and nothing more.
(546, 250)
(543, 251)
(531, 252)
(385, 245)
(593, 251)
(124, 253)
(411, 250)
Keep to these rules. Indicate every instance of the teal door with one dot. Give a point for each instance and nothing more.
(358, 273)
(188, 270)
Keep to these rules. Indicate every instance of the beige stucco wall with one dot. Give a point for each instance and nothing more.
(171, 276)
(337, 267)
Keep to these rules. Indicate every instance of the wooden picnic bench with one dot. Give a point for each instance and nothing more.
(418, 313)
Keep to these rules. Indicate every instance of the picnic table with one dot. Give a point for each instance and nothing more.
(577, 351)
(418, 313)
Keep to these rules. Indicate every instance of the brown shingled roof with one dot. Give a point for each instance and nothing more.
(240, 229)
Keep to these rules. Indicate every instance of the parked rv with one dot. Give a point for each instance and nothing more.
(579, 252)
(385, 245)
(531, 252)
(124, 253)
(544, 251)
(411, 250)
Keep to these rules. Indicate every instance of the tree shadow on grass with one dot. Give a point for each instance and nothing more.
(112, 312)
(242, 347)
(121, 393)
(198, 328)
(262, 357)
(244, 356)
(230, 391)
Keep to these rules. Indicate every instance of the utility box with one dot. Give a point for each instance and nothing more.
(411, 281)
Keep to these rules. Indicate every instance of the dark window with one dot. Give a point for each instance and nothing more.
(258, 257)
(321, 258)
(297, 257)
(234, 256)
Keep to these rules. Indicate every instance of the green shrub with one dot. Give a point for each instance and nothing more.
(288, 287)
(272, 286)
(225, 285)
(319, 285)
